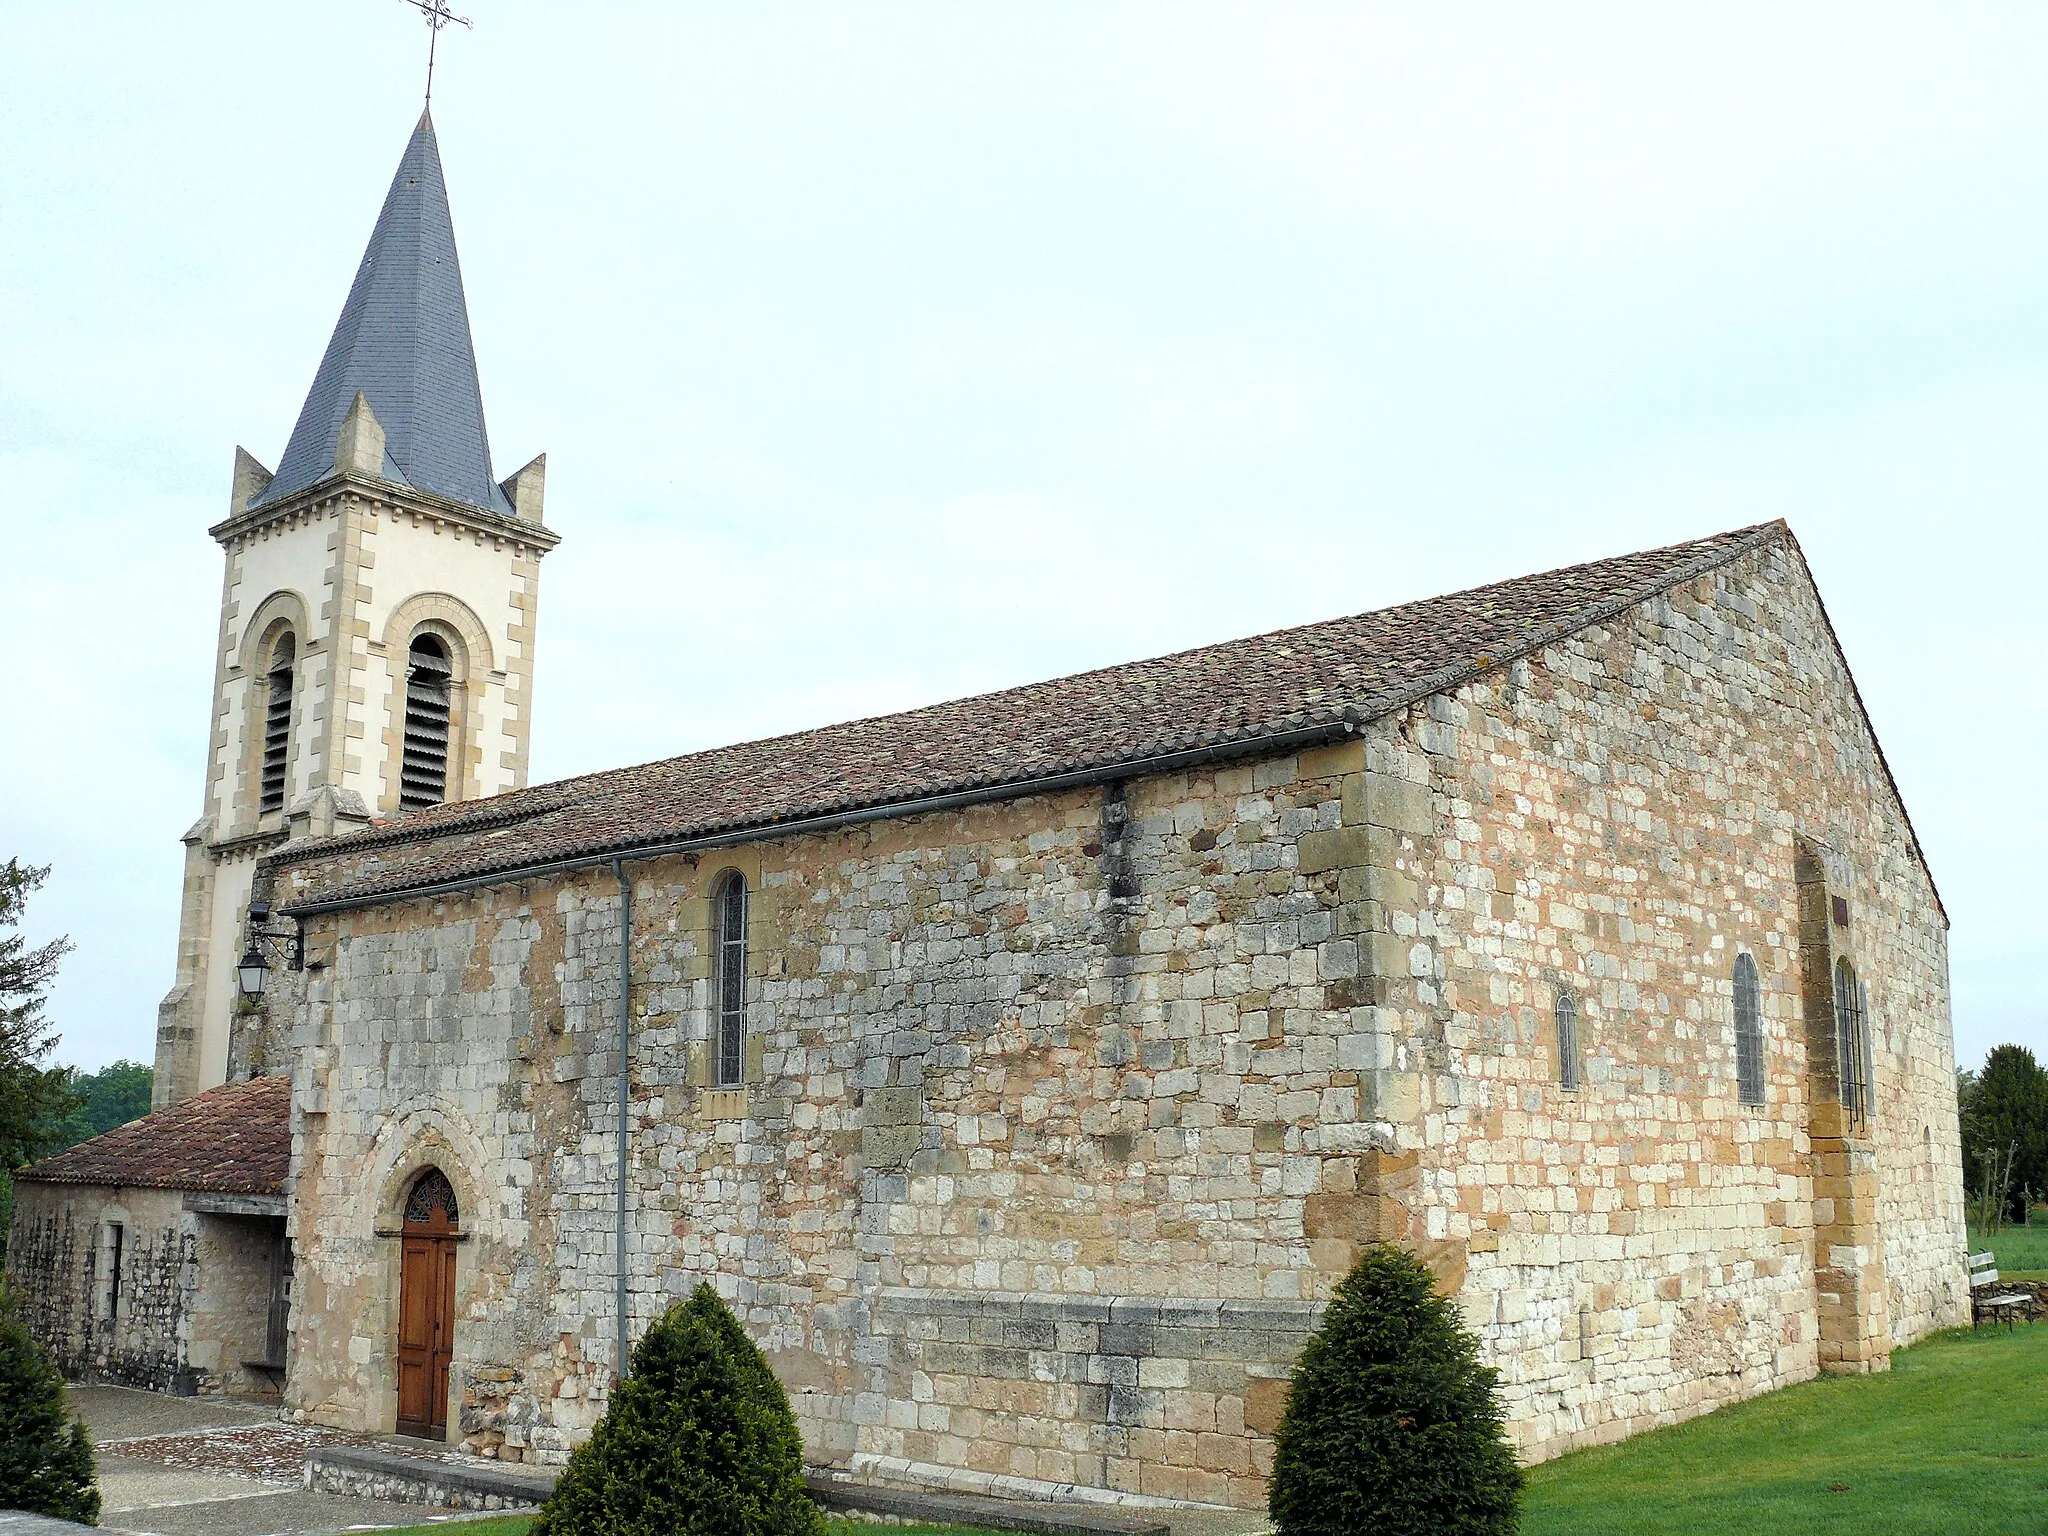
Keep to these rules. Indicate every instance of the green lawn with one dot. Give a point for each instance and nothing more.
(1953, 1440)
(2022, 1251)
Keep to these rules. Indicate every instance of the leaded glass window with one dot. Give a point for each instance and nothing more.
(731, 908)
(431, 1192)
(1568, 1072)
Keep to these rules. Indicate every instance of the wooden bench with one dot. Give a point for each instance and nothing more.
(1987, 1300)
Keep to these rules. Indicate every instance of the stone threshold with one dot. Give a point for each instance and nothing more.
(453, 1481)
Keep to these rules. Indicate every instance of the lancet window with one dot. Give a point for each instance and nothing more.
(1568, 1063)
(730, 907)
(1749, 1032)
(1852, 1042)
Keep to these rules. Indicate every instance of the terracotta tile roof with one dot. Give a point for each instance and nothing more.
(1230, 697)
(235, 1139)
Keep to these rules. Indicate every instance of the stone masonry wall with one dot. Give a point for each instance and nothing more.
(1020, 1048)
(1619, 818)
(1035, 1091)
(58, 1258)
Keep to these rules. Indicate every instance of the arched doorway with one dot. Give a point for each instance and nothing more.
(426, 1306)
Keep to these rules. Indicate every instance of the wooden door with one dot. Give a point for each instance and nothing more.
(426, 1308)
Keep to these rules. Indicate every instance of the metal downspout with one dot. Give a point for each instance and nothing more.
(625, 1083)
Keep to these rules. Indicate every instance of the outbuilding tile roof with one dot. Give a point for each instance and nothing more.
(1229, 697)
(235, 1139)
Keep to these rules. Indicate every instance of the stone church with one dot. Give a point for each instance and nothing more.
(1024, 1069)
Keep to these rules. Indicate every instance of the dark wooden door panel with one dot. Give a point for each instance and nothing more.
(444, 1335)
(426, 1335)
(416, 1296)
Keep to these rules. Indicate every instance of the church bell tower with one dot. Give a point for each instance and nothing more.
(377, 614)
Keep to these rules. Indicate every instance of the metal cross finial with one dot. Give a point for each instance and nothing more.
(437, 16)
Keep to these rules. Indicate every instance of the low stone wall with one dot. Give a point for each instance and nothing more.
(2038, 1289)
(368, 1472)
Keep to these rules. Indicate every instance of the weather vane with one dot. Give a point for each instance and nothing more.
(438, 16)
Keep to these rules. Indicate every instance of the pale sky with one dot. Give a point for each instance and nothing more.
(887, 353)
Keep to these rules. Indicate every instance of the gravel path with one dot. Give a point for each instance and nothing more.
(271, 1452)
(182, 1466)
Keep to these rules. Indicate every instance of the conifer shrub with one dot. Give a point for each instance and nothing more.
(697, 1441)
(45, 1458)
(1392, 1425)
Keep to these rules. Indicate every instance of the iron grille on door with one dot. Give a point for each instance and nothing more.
(277, 726)
(423, 772)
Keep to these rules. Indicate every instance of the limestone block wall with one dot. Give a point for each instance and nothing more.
(1086, 1046)
(60, 1265)
(1165, 1397)
(1618, 818)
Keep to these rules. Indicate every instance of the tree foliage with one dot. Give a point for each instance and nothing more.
(34, 1099)
(2004, 1109)
(697, 1441)
(103, 1100)
(45, 1458)
(1392, 1425)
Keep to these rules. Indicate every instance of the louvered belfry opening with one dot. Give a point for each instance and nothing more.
(423, 774)
(277, 725)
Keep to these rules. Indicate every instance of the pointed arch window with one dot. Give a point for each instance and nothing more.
(423, 771)
(1749, 1032)
(1568, 1061)
(277, 724)
(730, 907)
(1852, 1042)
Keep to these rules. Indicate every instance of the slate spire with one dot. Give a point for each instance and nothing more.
(403, 343)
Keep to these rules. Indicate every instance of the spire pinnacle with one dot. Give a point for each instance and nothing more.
(403, 345)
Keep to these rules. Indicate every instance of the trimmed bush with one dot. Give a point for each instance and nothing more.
(697, 1441)
(1392, 1425)
(45, 1458)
